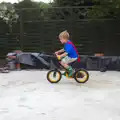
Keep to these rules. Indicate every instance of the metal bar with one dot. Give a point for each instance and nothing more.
(57, 8)
(80, 20)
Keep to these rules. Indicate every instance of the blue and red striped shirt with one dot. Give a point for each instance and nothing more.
(70, 48)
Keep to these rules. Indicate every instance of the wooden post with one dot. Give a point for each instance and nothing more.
(21, 30)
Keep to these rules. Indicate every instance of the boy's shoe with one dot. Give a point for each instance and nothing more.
(65, 73)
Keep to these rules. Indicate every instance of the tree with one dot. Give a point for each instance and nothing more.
(100, 8)
(8, 14)
(60, 3)
(31, 4)
(26, 4)
(32, 10)
(44, 5)
(105, 8)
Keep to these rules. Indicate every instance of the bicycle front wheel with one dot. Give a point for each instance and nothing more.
(54, 76)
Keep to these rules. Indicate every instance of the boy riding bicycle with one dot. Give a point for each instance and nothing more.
(69, 54)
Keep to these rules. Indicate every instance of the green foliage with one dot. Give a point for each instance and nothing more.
(11, 12)
(105, 8)
(26, 4)
(31, 4)
(8, 14)
(44, 5)
(60, 3)
(100, 8)
(33, 10)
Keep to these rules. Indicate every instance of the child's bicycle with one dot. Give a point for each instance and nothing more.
(80, 75)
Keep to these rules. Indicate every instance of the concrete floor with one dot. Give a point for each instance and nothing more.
(27, 95)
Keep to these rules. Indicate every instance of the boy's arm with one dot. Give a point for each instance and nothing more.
(59, 51)
(63, 55)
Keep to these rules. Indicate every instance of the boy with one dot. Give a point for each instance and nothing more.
(69, 54)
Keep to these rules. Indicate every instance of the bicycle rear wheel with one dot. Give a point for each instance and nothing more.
(81, 76)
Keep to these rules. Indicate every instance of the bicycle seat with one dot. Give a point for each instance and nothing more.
(77, 65)
(75, 62)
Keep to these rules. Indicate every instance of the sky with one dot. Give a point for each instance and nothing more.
(14, 1)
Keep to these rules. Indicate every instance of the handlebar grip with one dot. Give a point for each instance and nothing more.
(58, 57)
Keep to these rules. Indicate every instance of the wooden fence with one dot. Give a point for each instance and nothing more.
(37, 30)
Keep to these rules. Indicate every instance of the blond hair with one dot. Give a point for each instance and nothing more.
(64, 35)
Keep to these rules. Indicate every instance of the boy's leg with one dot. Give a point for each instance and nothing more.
(64, 64)
(65, 61)
(68, 68)
(17, 64)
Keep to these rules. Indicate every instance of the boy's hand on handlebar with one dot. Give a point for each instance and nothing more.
(58, 57)
(56, 53)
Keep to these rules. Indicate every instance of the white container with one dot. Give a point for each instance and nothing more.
(12, 65)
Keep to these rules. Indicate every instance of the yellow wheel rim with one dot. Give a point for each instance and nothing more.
(84, 78)
(52, 78)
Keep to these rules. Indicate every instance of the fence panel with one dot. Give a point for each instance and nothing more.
(38, 29)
